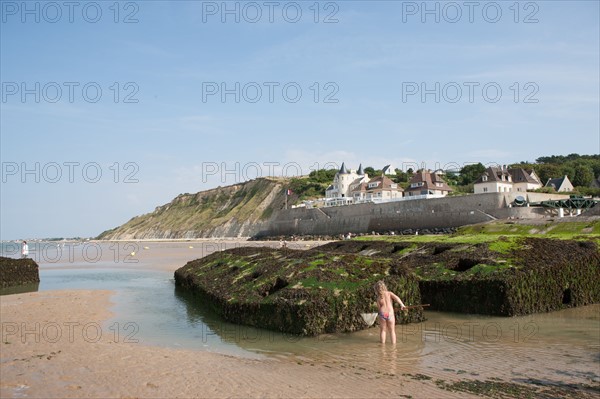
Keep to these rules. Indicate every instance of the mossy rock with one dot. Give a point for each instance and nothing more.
(508, 276)
(15, 272)
(300, 292)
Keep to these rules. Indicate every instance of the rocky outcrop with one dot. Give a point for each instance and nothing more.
(326, 289)
(507, 277)
(297, 292)
(14, 272)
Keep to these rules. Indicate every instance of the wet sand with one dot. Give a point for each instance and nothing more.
(54, 346)
(61, 344)
(147, 255)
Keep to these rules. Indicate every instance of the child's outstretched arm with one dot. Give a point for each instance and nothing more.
(397, 299)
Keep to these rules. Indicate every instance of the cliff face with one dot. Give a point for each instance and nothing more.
(233, 211)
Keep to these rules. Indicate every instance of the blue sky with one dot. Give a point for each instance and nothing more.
(381, 82)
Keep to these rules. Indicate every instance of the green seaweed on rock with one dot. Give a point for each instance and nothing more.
(300, 292)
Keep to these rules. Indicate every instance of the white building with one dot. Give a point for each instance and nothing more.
(503, 180)
(380, 188)
(350, 186)
(494, 180)
(524, 180)
(426, 182)
(344, 182)
(561, 184)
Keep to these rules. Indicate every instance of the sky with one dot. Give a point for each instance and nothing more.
(109, 109)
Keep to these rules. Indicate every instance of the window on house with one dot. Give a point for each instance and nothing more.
(485, 190)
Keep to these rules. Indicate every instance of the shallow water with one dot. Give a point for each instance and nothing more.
(554, 348)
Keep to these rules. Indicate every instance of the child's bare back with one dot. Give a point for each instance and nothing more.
(385, 303)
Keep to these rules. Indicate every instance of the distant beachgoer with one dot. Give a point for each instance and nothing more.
(24, 250)
(387, 320)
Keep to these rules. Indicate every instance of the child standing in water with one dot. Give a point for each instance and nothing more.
(387, 321)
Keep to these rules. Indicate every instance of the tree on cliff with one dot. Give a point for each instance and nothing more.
(581, 169)
(470, 173)
(583, 175)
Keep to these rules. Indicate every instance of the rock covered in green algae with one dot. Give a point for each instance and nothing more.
(508, 276)
(14, 272)
(300, 292)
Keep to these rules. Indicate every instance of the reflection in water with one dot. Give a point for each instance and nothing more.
(214, 330)
(560, 346)
(389, 359)
(19, 289)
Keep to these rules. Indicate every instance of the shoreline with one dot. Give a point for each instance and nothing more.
(58, 359)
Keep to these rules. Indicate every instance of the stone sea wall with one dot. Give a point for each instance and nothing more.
(435, 213)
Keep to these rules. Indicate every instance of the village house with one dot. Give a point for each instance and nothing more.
(504, 180)
(425, 182)
(524, 180)
(354, 186)
(377, 189)
(344, 182)
(561, 184)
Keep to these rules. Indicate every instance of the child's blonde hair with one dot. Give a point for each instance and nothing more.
(380, 287)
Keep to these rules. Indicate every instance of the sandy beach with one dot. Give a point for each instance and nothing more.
(57, 344)
(53, 346)
(65, 342)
